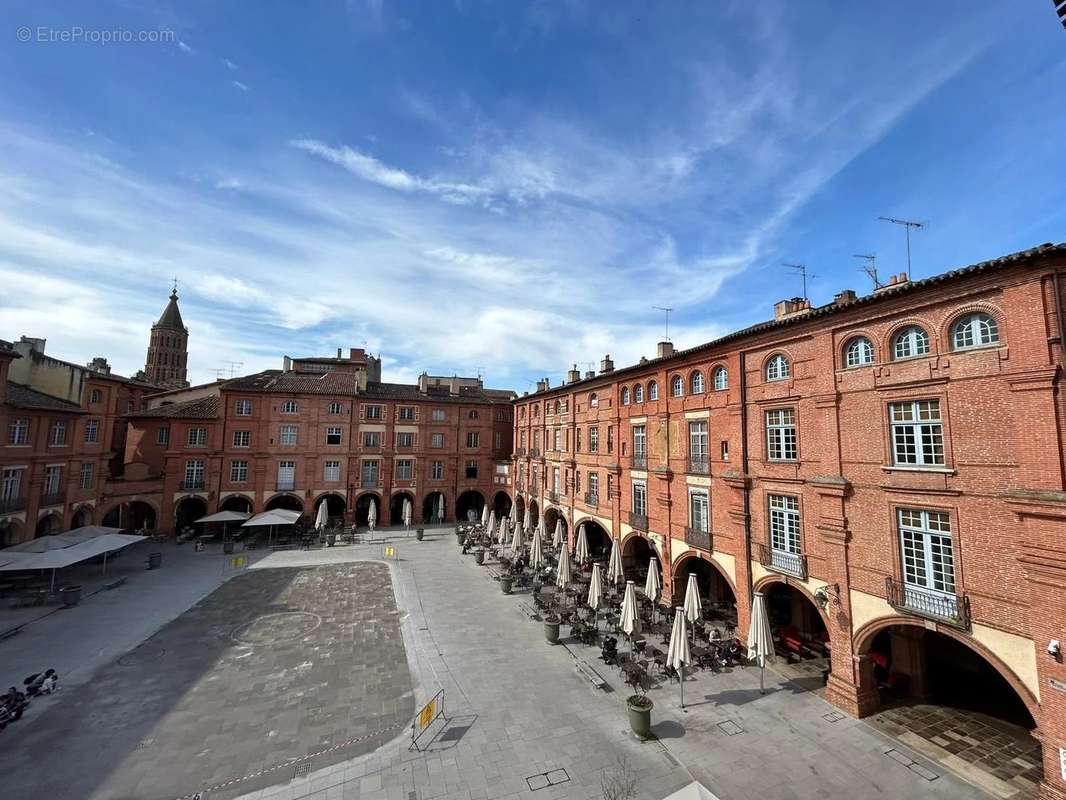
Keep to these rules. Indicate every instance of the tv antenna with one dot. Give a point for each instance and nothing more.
(870, 267)
(802, 270)
(907, 225)
(232, 365)
(667, 310)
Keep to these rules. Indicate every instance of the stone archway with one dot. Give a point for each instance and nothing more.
(432, 504)
(716, 591)
(362, 508)
(238, 503)
(188, 510)
(131, 515)
(288, 502)
(49, 525)
(335, 506)
(10, 532)
(534, 513)
(520, 507)
(551, 515)
(470, 500)
(637, 553)
(396, 507)
(599, 540)
(501, 504)
(82, 517)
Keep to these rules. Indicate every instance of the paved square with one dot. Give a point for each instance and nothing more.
(274, 666)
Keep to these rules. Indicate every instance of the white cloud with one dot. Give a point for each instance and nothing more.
(230, 64)
(185, 48)
(243, 87)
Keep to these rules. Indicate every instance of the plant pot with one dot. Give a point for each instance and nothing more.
(461, 538)
(551, 632)
(420, 534)
(479, 557)
(227, 547)
(155, 560)
(331, 539)
(639, 708)
(70, 595)
(505, 584)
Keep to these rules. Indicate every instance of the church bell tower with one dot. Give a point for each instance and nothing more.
(168, 348)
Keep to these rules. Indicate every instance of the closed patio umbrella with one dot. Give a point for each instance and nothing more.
(693, 604)
(407, 513)
(527, 522)
(372, 514)
(652, 587)
(760, 640)
(562, 576)
(557, 536)
(514, 514)
(516, 541)
(491, 523)
(536, 552)
(501, 531)
(615, 573)
(440, 508)
(484, 515)
(630, 617)
(322, 517)
(581, 549)
(542, 528)
(679, 654)
(595, 597)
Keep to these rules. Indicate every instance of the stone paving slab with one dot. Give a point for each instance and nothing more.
(274, 666)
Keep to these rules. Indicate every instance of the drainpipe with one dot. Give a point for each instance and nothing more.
(744, 468)
(1062, 325)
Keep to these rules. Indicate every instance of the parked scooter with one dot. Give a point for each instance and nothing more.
(609, 650)
(41, 683)
(12, 705)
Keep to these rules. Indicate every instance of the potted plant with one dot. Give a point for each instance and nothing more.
(70, 595)
(479, 556)
(420, 534)
(639, 707)
(460, 536)
(505, 583)
(551, 628)
(331, 538)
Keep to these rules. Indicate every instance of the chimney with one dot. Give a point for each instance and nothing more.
(286, 364)
(338, 354)
(573, 375)
(894, 282)
(643, 360)
(589, 374)
(36, 344)
(607, 365)
(543, 385)
(99, 364)
(844, 296)
(664, 349)
(786, 309)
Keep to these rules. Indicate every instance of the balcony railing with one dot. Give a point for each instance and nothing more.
(697, 537)
(592, 499)
(9, 504)
(639, 461)
(794, 564)
(699, 465)
(370, 483)
(52, 499)
(553, 496)
(284, 485)
(951, 609)
(638, 522)
(191, 485)
(520, 451)
(535, 452)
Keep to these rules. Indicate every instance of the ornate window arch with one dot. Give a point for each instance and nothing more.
(720, 379)
(858, 352)
(625, 395)
(910, 342)
(653, 390)
(977, 329)
(778, 367)
(677, 386)
(638, 393)
(696, 382)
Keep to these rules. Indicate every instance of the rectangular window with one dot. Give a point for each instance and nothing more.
(698, 456)
(926, 547)
(725, 450)
(522, 439)
(917, 433)
(52, 476)
(610, 438)
(439, 415)
(406, 412)
(87, 476)
(436, 441)
(473, 439)
(289, 434)
(784, 523)
(577, 483)
(194, 474)
(594, 439)
(332, 471)
(555, 480)
(371, 439)
(18, 431)
(699, 511)
(471, 469)
(370, 473)
(57, 437)
(10, 484)
(577, 440)
(238, 471)
(781, 434)
(640, 498)
(404, 469)
(286, 475)
(436, 470)
(92, 431)
(197, 437)
(242, 408)
(333, 435)
(373, 412)
(290, 407)
(497, 440)
(610, 486)
(594, 486)
(162, 435)
(242, 438)
(335, 408)
(558, 434)
(640, 442)
(405, 439)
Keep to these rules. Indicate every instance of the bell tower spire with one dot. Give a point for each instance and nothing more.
(166, 364)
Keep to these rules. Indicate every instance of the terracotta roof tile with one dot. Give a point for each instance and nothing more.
(198, 408)
(19, 396)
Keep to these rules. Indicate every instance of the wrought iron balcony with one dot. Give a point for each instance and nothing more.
(697, 537)
(192, 485)
(951, 609)
(639, 461)
(638, 522)
(52, 499)
(283, 485)
(9, 504)
(699, 465)
(782, 561)
(592, 499)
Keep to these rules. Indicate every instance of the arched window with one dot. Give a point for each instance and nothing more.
(290, 407)
(677, 386)
(910, 342)
(653, 390)
(697, 383)
(974, 330)
(593, 400)
(721, 379)
(638, 394)
(625, 395)
(556, 406)
(858, 352)
(778, 368)
(522, 412)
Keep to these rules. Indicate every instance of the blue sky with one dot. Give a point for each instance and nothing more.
(505, 186)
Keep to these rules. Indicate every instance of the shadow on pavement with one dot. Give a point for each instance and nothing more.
(668, 729)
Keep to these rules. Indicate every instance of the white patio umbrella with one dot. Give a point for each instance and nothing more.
(491, 523)
(679, 654)
(562, 576)
(516, 541)
(322, 517)
(615, 573)
(536, 552)
(760, 640)
(581, 549)
(501, 535)
(372, 514)
(652, 587)
(595, 589)
(407, 513)
(514, 514)
(485, 515)
(557, 536)
(542, 528)
(527, 522)
(693, 604)
(630, 617)
(440, 508)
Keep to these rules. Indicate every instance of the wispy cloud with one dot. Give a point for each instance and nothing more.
(185, 48)
(243, 87)
(230, 64)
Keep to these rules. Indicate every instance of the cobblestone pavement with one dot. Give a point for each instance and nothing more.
(274, 666)
(519, 716)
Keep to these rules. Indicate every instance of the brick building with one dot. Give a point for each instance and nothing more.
(887, 469)
(324, 430)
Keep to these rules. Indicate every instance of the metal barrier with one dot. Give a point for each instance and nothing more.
(426, 716)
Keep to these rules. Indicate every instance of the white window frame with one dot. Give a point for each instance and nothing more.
(699, 510)
(331, 471)
(638, 393)
(242, 439)
(196, 437)
(973, 331)
(653, 390)
(10, 483)
(927, 554)
(625, 395)
(778, 368)
(289, 435)
(782, 443)
(436, 441)
(373, 412)
(238, 471)
(436, 470)
(439, 415)
(697, 440)
(335, 431)
(594, 439)
(87, 475)
(405, 439)
(92, 431)
(640, 498)
(858, 352)
(720, 378)
(911, 342)
(18, 431)
(405, 469)
(473, 440)
(194, 472)
(336, 408)
(677, 386)
(371, 438)
(405, 413)
(290, 407)
(162, 435)
(917, 433)
(697, 382)
(640, 441)
(785, 525)
(242, 407)
(57, 434)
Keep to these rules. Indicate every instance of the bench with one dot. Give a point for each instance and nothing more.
(528, 611)
(589, 673)
(7, 634)
(115, 583)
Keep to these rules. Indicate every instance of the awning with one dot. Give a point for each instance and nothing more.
(279, 516)
(65, 557)
(224, 516)
(60, 541)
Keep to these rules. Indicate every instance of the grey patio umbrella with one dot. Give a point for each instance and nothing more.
(372, 514)
(542, 528)
(679, 654)
(514, 514)
(491, 522)
(516, 541)
(760, 639)
(562, 576)
(693, 604)
(615, 573)
(557, 536)
(407, 513)
(581, 549)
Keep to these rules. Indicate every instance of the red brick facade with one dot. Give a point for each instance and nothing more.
(811, 440)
